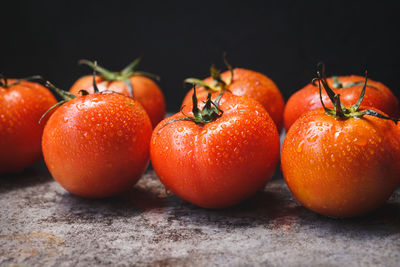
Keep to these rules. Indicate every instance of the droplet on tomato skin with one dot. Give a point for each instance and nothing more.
(333, 158)
(80, 106)
(300, 147)
(312, 138)
(180, 129)
(360, 141)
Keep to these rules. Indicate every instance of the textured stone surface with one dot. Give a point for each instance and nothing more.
(41, 224)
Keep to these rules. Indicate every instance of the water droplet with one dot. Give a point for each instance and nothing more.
(312, 138)
(180, 129)
(80, 106)
(361, 141)
(300, 146)
(119, 133)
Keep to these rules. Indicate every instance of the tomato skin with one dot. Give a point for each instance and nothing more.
(308, 98)
(145, 90)
(341, 168)
(220, 163)
(21, 107)
(97, 145)
(251, 84)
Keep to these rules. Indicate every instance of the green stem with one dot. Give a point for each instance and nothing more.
(30, 78)
(218, 83)
(131, 66)
(64, 95)
(104, 73)
(340, 111)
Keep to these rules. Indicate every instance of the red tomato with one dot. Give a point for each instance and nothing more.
(220, 161)
(342, 162)
(97, 145)
(21, 106)
(247, 83)
(144, 89)
(377, 95)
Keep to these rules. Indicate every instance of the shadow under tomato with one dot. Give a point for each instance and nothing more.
(71, 209)
(29, 177)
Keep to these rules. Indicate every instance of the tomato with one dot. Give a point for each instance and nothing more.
(244, 83)
(342, 162)
(130, 83)
(97, 145)
(377, 95)
(218, 157)
(22, 103)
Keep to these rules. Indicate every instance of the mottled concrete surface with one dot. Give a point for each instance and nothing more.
(41, 224)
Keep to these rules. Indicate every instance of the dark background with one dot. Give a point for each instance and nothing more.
(284, 39)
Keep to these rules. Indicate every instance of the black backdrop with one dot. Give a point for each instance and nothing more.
(283, 39)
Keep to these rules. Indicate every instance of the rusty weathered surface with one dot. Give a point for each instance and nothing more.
(41, 224)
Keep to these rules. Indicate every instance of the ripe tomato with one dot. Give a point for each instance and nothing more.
(218, 157)
(342, 162)
(377, 95)
(244, 83)
(97, 145)
(22, 103)
(130, 83)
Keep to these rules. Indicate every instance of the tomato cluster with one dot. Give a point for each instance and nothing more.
(340, 156)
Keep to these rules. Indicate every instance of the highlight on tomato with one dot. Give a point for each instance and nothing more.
(241, 82)
(22, 103)
(342, 161)
(377, 95)
(130, 82)
(216, 156)
(97, 145)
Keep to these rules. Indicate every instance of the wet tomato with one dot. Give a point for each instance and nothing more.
(243, 82)
(377, 95)
(219, 156)
(342, 162)
(136, 84)
(22, 103)
(97, 145)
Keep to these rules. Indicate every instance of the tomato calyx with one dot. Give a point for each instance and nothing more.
(218, 84)
(4, 81)
(340, 85)
(209, 113)
(122, 75)
(339, 111)
(67, 96)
